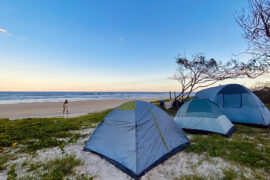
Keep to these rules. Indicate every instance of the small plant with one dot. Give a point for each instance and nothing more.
(55, 169)
(84, 177)
(190, 177)
(24, 163)
(61, 146)
(3, 159)
(2, 167)
(34, 166)
(76, 136)
(12, 172)
(229, 174)
(59, 168)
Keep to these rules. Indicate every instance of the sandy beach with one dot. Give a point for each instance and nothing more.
(54, 109)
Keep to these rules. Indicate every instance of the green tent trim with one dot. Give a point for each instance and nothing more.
(160, 133)
(128, 106)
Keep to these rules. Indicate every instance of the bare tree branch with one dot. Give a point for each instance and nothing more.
(200, 73)
(255, 23)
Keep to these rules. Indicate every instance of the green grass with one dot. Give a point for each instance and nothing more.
(55, 169)
(171, 111)
(59, 168)
(238, 148)
(230, 174)
(248, 146)
(12, 173)
(37, 133)
(84, 177)
(190, 177)
(4, 157)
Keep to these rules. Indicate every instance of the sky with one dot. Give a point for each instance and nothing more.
(102, 45)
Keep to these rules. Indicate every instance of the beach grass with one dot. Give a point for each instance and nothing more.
(32, 134)
(54, 169)
(171, 111)
(189, 177)
(248, 147)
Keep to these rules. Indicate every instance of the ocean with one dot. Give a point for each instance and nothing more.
(30, 97)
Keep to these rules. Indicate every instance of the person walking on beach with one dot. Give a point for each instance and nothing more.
(65, 107)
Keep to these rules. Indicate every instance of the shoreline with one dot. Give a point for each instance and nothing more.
(54, 109)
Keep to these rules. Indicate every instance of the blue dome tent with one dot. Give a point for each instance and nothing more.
(201, 115)
(136, 136)
(238, 103)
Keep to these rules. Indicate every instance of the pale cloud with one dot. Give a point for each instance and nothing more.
(3, 30)
(6, 33)
(21, 38)
(121, 39)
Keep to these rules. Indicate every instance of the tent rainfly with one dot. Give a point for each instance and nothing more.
(201, 115)
(238, 103)
(136, 136)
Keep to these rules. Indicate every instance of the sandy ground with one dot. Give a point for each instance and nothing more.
(54, 109)
(177, 166)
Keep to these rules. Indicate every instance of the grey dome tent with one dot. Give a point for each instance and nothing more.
(201, 115)
(136, 136)
(238, 103)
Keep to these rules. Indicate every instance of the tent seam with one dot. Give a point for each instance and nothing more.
(136, 139)
(263, 120)
(160, 133)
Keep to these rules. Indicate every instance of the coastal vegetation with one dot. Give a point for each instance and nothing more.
(54, 169)
(32, 134)
(248, 147)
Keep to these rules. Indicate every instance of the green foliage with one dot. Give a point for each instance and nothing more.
(171, 111)
(38, 133)
(55, 169)
(241, 148)
(190, 177)
(34, 166)
(59, 168)
(12, 172)
(2, 166)
(84, 177)
(230, 174)
(75, 137)
(157, 101)
(45, 142)
(249, 146)
(3, 159)
(268, 105)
